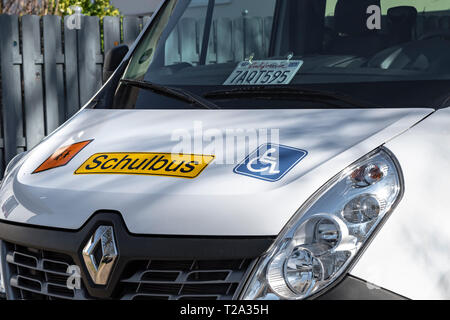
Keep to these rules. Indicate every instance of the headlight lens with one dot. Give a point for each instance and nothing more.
(328, 232)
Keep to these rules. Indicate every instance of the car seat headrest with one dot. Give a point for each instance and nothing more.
(402, 15)
(351, 16)
(402, 21)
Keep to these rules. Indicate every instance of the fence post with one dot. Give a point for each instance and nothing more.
(254, 37)
(238, 39)
(54, 83)
(267, 24)
(211, 56)
(72, 101)
(188, 44)
(32, 80)
(111, 32)
(145, 20)
(224, 40)
(90, 58)
(10, 60)
(172, 49)
(131, 28)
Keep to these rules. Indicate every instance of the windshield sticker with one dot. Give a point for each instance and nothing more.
(62, 156)
(267, 72)
(270, 162)
(147, 163)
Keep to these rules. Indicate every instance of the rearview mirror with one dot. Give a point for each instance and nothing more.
(112, 60)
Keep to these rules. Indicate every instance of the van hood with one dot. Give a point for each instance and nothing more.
(217, 202)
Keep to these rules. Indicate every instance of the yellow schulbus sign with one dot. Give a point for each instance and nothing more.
(146, 163)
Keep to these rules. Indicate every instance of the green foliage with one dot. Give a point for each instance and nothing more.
(99, 8)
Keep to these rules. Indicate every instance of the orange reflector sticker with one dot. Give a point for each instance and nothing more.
(62, 156)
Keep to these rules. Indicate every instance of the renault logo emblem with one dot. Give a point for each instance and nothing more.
(100, 254)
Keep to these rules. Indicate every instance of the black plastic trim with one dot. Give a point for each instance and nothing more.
(352, 288)
(131, 247)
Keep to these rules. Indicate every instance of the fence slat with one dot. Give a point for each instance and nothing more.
(111, 32)
(131, 28)
(188, 43)
(54, 85)
(89, 58)
(72, 102)
(145, 20)
(224, 40)
(267, 24)
(32, 80)
(211, 56)
(254, 37)
(172, 50)
(238, 39)
(11, 86)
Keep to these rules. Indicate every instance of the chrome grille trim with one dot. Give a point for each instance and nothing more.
(44, 289)
(219, 283)
(10, 258)
(33, 274)
(40, 274)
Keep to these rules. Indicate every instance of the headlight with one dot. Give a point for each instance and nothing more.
(329, 231)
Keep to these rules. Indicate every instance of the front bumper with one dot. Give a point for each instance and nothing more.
(352, 288)
(35, 263)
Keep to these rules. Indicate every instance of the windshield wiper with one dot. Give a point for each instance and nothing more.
(171, 92)
(276, 92)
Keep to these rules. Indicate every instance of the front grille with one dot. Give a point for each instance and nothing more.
(183, 279)
(40, 274)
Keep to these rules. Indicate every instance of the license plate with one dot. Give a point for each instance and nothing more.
(264, 72)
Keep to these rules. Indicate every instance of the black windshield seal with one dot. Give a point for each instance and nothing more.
(280, 93)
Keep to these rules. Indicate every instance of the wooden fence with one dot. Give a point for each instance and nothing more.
(230, 40)
(49, 71)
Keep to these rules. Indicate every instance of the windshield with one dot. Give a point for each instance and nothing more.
(236, 52)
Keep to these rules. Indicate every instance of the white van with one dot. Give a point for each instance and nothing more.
(251, 149)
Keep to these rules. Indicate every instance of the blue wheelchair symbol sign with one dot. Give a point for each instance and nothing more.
(270, 162)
